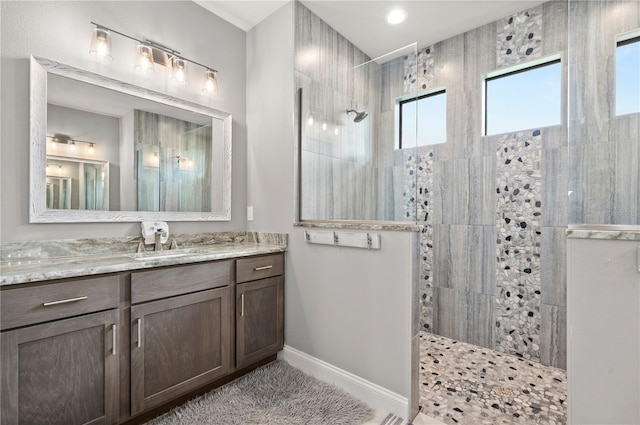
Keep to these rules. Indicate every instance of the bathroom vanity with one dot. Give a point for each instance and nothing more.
(104, 348)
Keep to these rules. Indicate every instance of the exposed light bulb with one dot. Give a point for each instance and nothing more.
(72, 146)
(100, 44)
(310, 121)
(336, 131)
(59, 169)
(210, 81)
(47, 168)
(144, 58)
(91, 149)
(54, 144)
(179, 74)
(324, 126)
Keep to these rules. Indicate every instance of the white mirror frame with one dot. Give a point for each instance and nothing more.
(38, 212)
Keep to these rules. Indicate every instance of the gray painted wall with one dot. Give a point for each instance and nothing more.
(61, 31)
(348, 307)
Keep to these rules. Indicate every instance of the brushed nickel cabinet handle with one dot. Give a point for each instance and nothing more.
(114, 328)
(139, 343)
(257, 269)
(241, 305)
(68, 300)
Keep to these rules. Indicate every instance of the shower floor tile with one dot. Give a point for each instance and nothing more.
(462, 383)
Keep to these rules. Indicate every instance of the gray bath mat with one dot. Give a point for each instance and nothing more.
(276, 394)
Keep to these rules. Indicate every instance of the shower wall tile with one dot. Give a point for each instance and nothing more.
(448, 311)
(448, 66)
(482, 191)
(479, 55)
(555, 176)
(463, 316)
(591, 183)
(519, 38)
(458, 260)
(626, 199)
(478, 316)
(626, 127)
(554, 27)
(392, 73)
(592, 87)
(553, 343)
(554, 266)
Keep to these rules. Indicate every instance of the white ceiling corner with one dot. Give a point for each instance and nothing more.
(244, 14)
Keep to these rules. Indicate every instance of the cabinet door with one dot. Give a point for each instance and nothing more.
(63, 372)
(177, 345)
(260, 319)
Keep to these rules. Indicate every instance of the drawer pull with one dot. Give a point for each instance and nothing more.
(257, 269)
(139, 343)
(114, 329)
(69, 300)
(241, 305)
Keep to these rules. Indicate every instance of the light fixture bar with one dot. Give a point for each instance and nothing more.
(158, 46)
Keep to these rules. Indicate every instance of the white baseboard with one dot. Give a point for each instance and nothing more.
(374, 395)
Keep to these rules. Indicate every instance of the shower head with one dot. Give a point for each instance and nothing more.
(359, 115)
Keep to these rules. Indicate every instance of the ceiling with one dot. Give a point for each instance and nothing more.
(363, 21)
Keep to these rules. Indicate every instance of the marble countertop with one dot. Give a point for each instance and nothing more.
(25, 270)
(610, 232)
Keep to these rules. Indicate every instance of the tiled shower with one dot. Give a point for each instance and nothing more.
(494, 209)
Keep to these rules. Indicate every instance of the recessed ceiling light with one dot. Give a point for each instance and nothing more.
(396, 16)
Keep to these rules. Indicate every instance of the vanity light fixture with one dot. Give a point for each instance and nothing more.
(149, 53)
(101, 43)
(71, 146)
(91, 149)
(144, 58)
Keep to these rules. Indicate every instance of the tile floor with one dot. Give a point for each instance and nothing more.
(465, 384)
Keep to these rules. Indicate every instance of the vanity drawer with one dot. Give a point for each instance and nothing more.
(167, 282)
(255, 268)
(51, 301)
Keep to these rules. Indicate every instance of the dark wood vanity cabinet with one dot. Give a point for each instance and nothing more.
(106, 349)
(62, 371)
(259, 308)
(182, 340)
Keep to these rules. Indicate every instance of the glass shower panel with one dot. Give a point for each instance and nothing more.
(348, 128)
(604, 144)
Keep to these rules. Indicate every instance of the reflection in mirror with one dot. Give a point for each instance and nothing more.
(131, 154)
(76, 184)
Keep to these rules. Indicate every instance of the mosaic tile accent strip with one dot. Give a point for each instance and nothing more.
(424, 216)
(519, 37)
(519, 232)
(462, 383)
(419, 70)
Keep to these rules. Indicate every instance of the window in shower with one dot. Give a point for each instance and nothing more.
(523, 97)
(422, 119)
(628, 76)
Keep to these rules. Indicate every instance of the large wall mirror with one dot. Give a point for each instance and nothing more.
(104, 150)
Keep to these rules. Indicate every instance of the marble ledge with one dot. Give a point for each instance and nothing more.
(74, 258)
(362, 225)
(606, 232)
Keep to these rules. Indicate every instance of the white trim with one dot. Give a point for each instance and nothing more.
(374, 395)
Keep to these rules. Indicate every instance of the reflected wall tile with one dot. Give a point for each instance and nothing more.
(554, 336)
(554, 266)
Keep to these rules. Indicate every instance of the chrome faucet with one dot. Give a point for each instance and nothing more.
(159, 234)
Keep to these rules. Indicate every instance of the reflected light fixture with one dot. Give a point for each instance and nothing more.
(100, 43)
(144, 58)
(59, 169)
(72, 144)
(396, 16)
(91, 149)
(149, 53)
